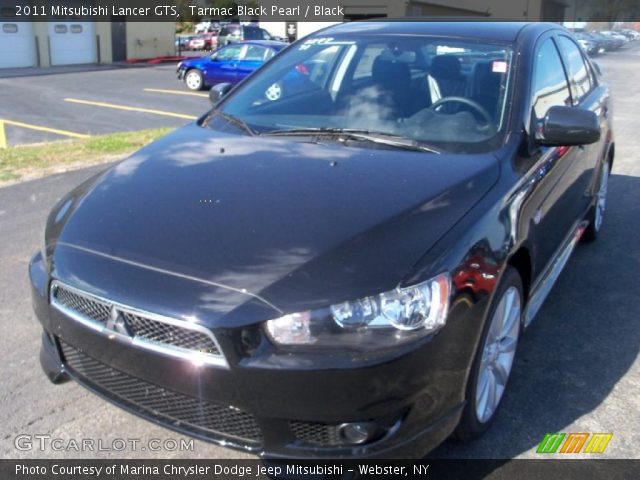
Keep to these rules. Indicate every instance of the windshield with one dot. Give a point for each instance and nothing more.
(442, 92)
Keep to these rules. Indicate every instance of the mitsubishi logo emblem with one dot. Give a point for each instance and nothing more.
(117, 323)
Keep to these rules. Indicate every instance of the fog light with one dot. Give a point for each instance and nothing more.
(357, 433)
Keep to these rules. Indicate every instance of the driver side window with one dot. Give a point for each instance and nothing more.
(577, 69)
(550, 87)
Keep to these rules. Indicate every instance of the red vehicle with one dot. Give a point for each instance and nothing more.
(478, 275)
(205, 41)
(211, 40)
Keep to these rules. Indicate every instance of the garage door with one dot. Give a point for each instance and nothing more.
(17, 45)
(72, 43)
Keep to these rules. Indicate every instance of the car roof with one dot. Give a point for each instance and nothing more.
(266, 43)
(474, 28)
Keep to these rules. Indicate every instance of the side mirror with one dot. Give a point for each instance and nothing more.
(218, 91)
(569, 126)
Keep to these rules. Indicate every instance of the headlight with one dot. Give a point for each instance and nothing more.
(387, 319)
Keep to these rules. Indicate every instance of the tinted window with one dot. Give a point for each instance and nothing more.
(269, 54)
(254, 53)
(230, 53)
(549, 81)
(252, 34)
(578, 71)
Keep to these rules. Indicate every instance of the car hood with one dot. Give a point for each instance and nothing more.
(295, 224)
(194, 62)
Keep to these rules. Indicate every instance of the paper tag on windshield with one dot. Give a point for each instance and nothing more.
(499, 66)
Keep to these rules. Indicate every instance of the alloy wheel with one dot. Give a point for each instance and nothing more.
(498, 353)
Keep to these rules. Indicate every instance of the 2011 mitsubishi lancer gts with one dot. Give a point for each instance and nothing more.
(340, 257)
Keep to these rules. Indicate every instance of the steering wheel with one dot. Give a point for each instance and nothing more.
(469, 103)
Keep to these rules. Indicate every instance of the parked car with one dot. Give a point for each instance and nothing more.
(590, 44)
(201, 27)
(631, 34)
(618, 40)
(288, 277)
(204, 41)
(183, 42)
(227, 64)
(607, 42)
(206, 26)
(211, 40)
(197, 43)
(237, 32)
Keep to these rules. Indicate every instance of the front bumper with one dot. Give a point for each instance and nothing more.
(273, 404)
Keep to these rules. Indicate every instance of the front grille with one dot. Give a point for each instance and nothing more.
(315, 433)
(90, 308)
(159, 332)
(168, 407)
(147, 330)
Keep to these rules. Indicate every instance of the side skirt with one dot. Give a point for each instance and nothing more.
(551, 273)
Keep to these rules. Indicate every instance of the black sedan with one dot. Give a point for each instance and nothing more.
(590, 43)
(344, 268)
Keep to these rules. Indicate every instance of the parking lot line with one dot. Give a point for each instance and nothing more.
(3, 137)
(176, 92)
(131, 109)
(39, 128)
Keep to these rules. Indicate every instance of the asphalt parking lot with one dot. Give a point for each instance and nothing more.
(577, 369)
(83, 103)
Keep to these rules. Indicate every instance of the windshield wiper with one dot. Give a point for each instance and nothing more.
(383, 138)
(233, 120)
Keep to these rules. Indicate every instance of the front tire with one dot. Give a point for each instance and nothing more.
(596, 215)
(494, 359)
(194, 80)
